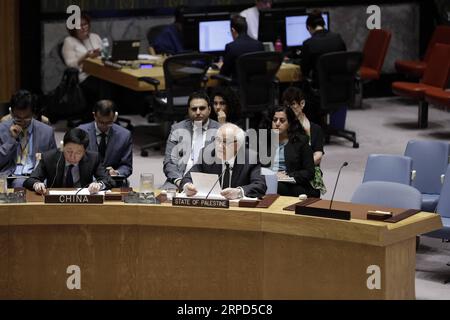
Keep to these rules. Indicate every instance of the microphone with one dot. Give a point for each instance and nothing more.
(337, 179)
(220, 176)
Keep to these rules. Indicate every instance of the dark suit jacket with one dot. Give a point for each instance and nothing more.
(321, 42)
(299, 160)
(247, 176)
(119, 150)
(51, 168)
(243, 44)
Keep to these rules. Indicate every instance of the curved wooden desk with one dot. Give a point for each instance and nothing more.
(128, 77)
(128, 251)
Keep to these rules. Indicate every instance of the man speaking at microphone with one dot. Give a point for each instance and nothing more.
(74, 167)
(237, 167)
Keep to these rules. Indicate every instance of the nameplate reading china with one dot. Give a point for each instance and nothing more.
(73, 199)
(205, 203)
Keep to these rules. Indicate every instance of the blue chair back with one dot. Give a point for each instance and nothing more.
(430, 160)
(387, 167)
(443, 206)
(388, 194)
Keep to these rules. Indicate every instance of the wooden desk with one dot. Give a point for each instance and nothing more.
(130, 251)
(128, 77)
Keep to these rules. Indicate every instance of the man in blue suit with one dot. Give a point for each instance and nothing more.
(23, 139)
(111, 141)
(242, 44)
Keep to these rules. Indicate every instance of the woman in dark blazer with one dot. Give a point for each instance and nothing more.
(293, 157)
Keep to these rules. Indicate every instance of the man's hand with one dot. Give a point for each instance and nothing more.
(282, 175)
(231, 193)
(190, 190)
(40, 188)
(15, 130)
(221, 117)
(94, 187)
(112, 172)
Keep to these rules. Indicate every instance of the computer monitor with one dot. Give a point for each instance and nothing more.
(272, 22)
(214, 35)
(296, 32)
(191, 24)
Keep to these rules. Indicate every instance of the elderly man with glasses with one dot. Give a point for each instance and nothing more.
(237, 167)
(23, 139)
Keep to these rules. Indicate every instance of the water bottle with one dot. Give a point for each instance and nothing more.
(105, 49)
(278, 45)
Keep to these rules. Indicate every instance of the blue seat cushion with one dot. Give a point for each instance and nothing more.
(443, 233)
(429, 202)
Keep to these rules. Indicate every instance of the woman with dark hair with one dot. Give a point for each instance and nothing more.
(227, 107)
(80, 45)
(293, 157)
(293, 97)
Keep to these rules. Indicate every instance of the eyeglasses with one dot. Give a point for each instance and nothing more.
(21, 120)
(227, 143)
(201, 108)
(105, 123)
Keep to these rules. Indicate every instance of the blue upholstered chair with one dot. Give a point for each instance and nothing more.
(443, 208)
(430, 160)
(390, 168)
(387, 194)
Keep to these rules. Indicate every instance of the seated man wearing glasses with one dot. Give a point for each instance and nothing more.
(237, 167)
(23, 139)
(112, 142)
(187, 138)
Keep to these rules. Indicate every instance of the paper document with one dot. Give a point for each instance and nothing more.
(148, 57)
(83, 192)
(287, 180)
(204, 182)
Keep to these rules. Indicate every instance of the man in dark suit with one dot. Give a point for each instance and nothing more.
(242, 44)
(322, 41)
(111, 141)
(74, 167)
(238, 167)
(23, 139)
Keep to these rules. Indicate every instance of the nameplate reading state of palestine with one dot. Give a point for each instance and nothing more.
(73, 199)
(205, 203)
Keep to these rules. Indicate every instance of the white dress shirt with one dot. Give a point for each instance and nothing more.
(251, 15)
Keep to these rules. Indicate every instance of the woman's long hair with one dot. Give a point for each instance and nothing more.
(295, 128)
(232, 102)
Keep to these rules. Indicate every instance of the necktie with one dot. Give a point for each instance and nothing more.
(23, 155)
(102, 146)
(226, 176)
(198, 142)
(69, 178)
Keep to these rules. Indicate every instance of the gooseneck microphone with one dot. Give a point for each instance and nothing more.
(220, 177)
(337, 179)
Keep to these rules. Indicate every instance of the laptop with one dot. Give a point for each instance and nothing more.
(127, 50)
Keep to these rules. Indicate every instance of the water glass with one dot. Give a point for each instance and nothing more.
(171, 193)
(3, 183)
(146, 183)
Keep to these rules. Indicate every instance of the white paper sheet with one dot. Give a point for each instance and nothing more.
(83, 192)
(203, 182)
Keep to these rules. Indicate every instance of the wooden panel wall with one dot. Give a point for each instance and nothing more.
(9, 48)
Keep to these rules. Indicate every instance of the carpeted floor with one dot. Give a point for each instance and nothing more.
(384, 126)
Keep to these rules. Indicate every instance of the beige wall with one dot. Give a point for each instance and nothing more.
(9, 48)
